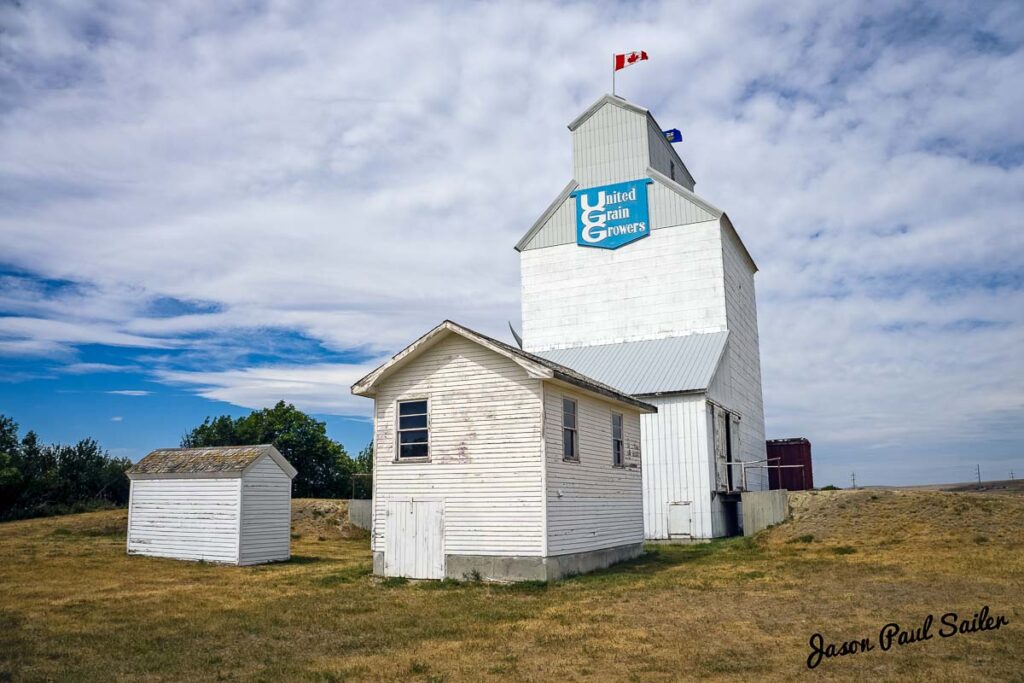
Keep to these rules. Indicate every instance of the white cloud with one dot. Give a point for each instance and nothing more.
(117, 418)
(358, 178)
(318, 388)
(130, 392)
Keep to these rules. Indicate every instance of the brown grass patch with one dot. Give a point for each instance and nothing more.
(75, 607)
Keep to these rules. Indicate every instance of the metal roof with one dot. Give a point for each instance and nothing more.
(210, 460)
(553, 369)
(654, 366)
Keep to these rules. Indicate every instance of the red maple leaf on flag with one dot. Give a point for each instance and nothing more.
(627, 58)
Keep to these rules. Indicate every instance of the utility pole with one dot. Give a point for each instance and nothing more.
(979, 474)
(853, 480)
(1011, 475)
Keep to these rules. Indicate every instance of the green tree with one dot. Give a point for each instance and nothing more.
(39, 480)
(364, 461)
(324, 468)
(10, 475)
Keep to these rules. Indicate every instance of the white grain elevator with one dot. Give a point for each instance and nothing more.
(631, 278)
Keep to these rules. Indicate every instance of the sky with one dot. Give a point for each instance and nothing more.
(209, 207)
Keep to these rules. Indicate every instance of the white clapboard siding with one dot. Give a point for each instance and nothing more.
(744, 393)
(266, 513)
(591, 503)
(667, 284)
(193, 519)
(485, 441)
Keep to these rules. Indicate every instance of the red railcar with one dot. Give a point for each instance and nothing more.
(790, 452)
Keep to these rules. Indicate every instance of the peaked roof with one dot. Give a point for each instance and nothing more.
(535, 365)
(620, 102)
(655, 366)
(226, 460)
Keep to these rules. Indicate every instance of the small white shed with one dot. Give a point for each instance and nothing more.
(229, 504)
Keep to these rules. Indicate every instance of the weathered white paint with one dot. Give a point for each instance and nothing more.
(414, 538)
(266, 513)
(236, 519)
(591, 504)
(495, 467)
(484, 463)
(187, 519)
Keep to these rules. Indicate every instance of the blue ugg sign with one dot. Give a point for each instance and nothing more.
(612, 215)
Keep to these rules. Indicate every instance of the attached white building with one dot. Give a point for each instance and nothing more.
(632, 279)
(493, 462)
(228, 504)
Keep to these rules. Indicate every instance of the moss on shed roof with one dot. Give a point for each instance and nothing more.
(198, 460)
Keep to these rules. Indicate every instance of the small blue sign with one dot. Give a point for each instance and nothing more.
(673, 135)
(610, 216)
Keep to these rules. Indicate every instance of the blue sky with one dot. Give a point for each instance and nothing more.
(207, 207)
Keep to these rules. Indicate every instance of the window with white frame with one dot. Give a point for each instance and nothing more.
(617, 449)
(413, 429)
(570, 437)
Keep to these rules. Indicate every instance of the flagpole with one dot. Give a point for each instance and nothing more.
(613, 73)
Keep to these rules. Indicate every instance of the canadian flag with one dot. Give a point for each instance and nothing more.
(624, 60)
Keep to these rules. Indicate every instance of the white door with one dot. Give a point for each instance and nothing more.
(414, 539)
(679, 520)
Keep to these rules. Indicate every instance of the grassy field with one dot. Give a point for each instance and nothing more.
(73, 606)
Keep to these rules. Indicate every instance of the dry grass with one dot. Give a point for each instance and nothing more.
(74, 607)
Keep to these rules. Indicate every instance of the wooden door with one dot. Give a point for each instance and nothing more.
(718, 422)
(679, 520)
(414, 539)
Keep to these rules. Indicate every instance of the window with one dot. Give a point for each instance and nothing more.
(413, 430)
(617, 459)
(570, 438)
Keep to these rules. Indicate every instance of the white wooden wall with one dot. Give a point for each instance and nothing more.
(610, 147)
(191, 519)
(670, 283)
(485, 432)
(591, 504)
(738, 383)
(266, 513)
(677, 466)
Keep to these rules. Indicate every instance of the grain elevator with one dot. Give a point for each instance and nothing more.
(633, 279)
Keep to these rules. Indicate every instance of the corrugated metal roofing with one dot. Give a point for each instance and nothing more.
(197, 460)
(654, 366)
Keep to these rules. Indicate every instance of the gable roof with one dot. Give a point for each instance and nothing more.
(620, 102)
(654, 366)
(539, 224)
(534, 365)
(210, 461)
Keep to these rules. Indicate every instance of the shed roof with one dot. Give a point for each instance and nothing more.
(222, 460)
(654, 366)
(537, 366)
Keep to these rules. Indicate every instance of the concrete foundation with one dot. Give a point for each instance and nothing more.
(762, 509)
(520, 568)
